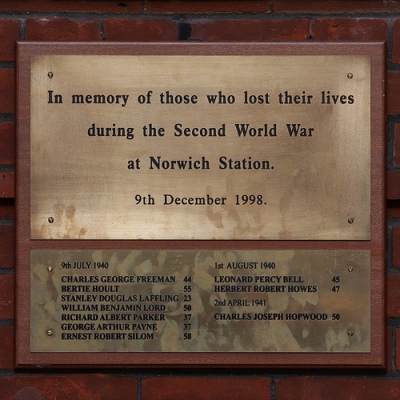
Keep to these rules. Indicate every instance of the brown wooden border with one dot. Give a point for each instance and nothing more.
(376, 244)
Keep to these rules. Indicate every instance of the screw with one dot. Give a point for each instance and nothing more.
(350, 75)
(49, 332)
(49, 269)
(50, 74)
(350, 332)
(350, 269)
(350, 220)
(51, 220)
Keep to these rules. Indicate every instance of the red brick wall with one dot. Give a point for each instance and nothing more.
(162, 20)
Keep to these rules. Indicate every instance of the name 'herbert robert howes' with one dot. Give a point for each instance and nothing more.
(242, 130)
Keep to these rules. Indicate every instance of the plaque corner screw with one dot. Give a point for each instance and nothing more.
(50, 332)
(350, 220)
(350, 75)
(350, 269)
(49, 268)
(50, 74)
(51, 220)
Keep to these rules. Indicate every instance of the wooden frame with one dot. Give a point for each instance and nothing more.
(376, 245)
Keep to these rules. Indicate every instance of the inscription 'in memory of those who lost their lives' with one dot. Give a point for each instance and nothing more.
(251, 148)
(200, 301)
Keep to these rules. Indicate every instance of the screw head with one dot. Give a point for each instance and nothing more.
(49, 332)
(350, 268)
(350, 75)
(50, 74)
(350, 220)
(51, 220)
(49, 269)
(350, 332)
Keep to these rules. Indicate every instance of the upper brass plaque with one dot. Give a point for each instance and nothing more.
(200, 147)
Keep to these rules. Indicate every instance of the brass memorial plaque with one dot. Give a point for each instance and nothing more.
(200, 205)
(200, 301)
(200, 147)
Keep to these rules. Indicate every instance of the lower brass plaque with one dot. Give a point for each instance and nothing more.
(200, 301)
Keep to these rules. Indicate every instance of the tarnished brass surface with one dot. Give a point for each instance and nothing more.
(315, 185)
(200, 301)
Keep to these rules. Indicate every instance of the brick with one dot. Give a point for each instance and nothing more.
(389, 346)
(396, 42)
(7, 184)
(397, 348)
(143, 30)
(396, 246)
(393, 209)
(7, 347)
(396, 146)
(114, 6)
(350, 29)
(56, 28)
(245, 30)
(72, 386)
(6, 296)
(7, 209)
(393, 295)
(7, 149)
(207, 6)
(316, 388)
(393, 185)
(7, 89)
(7, 246)
(9, 33)
(393, 90)
(342, 7)
(205, 388)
